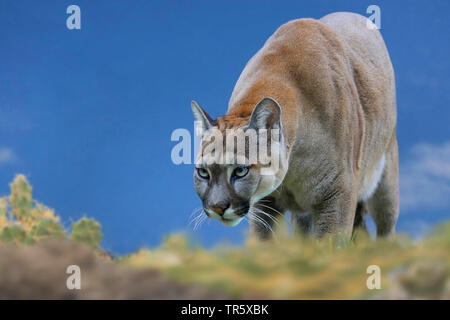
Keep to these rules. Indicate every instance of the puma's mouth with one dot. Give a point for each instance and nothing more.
(229, 218)
(231, 222)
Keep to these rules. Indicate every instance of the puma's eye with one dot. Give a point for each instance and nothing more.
(240, 172)
(203, 173)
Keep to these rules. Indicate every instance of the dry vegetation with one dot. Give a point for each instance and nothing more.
(35, 251)
(293, 268)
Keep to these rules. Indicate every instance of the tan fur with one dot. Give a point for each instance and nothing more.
(334, 82)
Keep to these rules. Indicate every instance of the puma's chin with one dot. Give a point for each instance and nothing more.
(230, 218)
(231, 222)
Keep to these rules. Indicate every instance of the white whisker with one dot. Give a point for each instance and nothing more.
(261, 221)
(275, 220)
(195, 214)
(200, 221)
(269, 207)
(196, 218)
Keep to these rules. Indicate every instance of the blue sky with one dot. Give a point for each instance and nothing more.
(87, 114)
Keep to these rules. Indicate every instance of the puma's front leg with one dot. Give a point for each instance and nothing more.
(302, 223)
(264, 216)
(335, 213)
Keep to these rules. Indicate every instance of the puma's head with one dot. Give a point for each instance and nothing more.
(241, 160)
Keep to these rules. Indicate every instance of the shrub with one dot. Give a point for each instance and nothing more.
(86, 231)
(26, 221)
(15, 234)
(47, 229)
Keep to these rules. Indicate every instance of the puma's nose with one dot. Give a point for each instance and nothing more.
(219, 207)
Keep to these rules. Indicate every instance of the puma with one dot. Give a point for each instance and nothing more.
(329, 86)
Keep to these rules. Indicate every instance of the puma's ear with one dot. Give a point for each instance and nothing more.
(266, 115)
(202, 119)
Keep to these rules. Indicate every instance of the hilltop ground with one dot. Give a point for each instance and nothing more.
(35, 251)
(294, 270)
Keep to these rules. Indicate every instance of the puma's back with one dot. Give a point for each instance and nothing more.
(329, 86)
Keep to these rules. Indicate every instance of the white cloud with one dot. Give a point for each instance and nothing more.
(7, 156)
(425, 177)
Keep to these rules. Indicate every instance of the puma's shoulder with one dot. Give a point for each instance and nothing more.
(304, 60)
